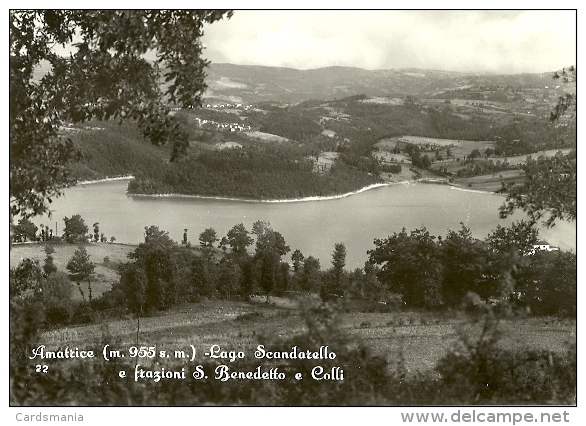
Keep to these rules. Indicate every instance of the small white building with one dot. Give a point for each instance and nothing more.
(544, 245)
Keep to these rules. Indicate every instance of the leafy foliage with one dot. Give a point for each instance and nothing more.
(549, 191)
(310, 275)
(410, 266)
(49, 265)
(162, 273)
(270, 247)
(238, 239)
(75, 229)
(105, 75)
(57, 293)
(548, 285)
(520, 237)
(567, 101)
(26, 278)
(24, 230)
(208, 237)
(253, 172)
(477, 371)
(81, 268)
(550, 183)
(467, 267)
(336, 280)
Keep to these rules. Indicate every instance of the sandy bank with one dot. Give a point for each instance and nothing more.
(89, 182)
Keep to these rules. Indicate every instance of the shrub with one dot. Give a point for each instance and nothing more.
(83, 314)
(111, 299)
(501, 376)
(58, 314)
(57, 288)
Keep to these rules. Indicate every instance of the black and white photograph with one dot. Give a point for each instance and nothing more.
(293, 208)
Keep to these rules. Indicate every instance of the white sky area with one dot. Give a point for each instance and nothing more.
(498, 41)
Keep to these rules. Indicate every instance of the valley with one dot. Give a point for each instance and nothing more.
(471, 131)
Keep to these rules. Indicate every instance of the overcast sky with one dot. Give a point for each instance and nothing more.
(482, 41)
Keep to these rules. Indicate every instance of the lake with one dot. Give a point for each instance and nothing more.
(311, 226)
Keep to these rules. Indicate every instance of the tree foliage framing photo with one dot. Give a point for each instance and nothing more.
(77, 65)
(550, 188)
(83, 65)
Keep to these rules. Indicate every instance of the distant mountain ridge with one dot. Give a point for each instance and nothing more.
(254, 83)
(250, 84)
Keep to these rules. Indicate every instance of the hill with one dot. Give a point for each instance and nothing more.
(298, 115)
(110, 149)
(253, 84)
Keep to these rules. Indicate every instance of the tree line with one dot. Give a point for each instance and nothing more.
(409, 269)
(74, 231)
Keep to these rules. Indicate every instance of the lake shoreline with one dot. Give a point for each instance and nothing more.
(107, 179)
(274, 201)
(288, 200)
(310, 227)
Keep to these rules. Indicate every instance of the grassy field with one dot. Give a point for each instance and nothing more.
(105, 272)
(420, 338)
(325, 160)
(458, 148)
(493, 182)
(521, 159)
(489, 183)
(265, 137)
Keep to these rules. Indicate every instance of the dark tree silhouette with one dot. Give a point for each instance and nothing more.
(550, 188)
(75, 229)
(81, 268)
(105, 76)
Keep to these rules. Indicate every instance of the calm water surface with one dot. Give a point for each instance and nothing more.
(311, 226)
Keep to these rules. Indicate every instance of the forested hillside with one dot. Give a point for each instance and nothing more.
(251, 173)
(111, 149)
(272, 150)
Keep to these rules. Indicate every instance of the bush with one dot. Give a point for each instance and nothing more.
(111, 299)
(478, 371)
(57, 288)
(58, 314)
(501, 376)
(83, 314)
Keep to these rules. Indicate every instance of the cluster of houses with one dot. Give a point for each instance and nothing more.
(336, 117)
(213, 125)
(222, 106)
